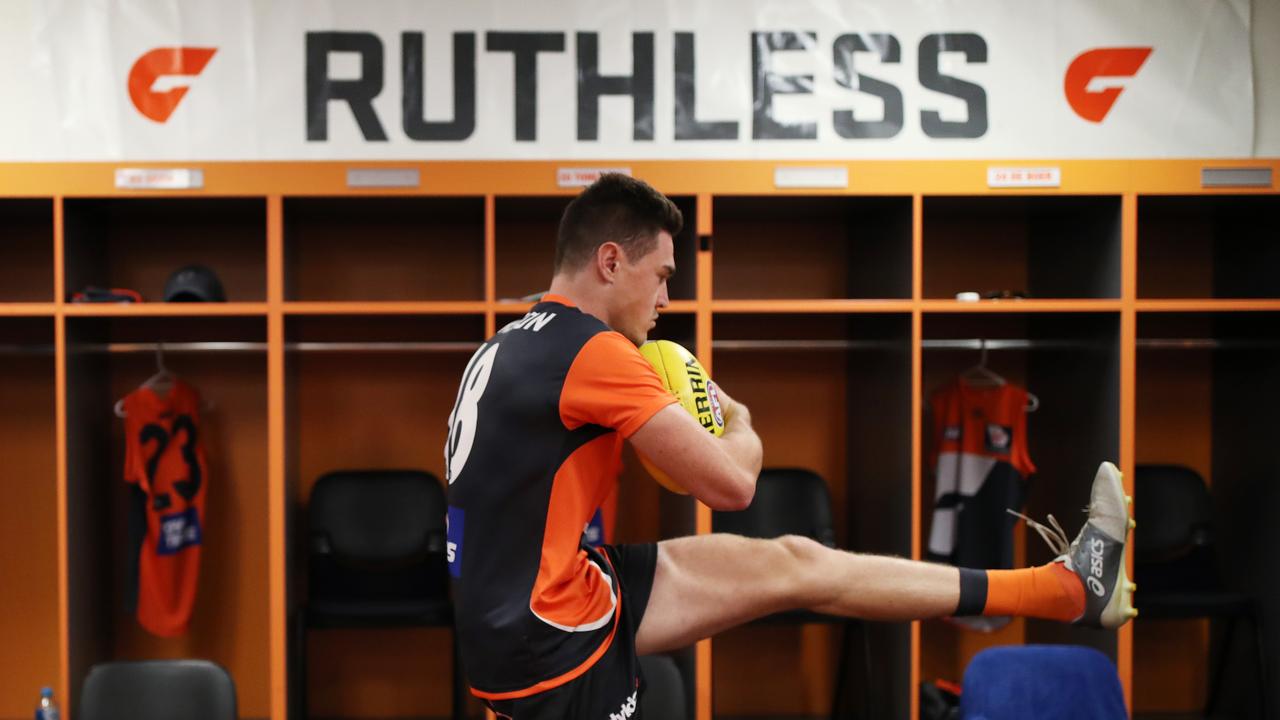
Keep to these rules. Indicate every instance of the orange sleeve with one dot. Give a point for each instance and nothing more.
(134, 462)
(610, 384)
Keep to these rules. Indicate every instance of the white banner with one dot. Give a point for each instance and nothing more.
(610, 79)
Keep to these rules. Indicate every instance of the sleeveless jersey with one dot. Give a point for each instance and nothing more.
(163, 458)
(534, 449)
(982, 467)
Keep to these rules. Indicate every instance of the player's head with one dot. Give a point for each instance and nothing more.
(620, 230)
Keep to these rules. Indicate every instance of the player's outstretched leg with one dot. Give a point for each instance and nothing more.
(706, 584)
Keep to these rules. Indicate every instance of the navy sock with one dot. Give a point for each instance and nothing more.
(973, 592)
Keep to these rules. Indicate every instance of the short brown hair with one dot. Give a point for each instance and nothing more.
(616, 208)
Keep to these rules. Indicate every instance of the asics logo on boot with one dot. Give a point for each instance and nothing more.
(1094, 582)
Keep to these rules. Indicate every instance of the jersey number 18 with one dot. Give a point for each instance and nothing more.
(465, 415)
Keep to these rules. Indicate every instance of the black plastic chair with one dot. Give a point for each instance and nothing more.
(376, 558)
(664, 694)
(1176, 564)
(796, 501)
(157, 690)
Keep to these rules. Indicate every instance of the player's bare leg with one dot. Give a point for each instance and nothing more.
(709, 583)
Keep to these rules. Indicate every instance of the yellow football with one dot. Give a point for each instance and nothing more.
(683, 375)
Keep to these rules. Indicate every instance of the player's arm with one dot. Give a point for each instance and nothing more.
(719, 471)
(611, 385)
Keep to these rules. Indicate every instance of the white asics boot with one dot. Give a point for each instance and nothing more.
(1097, 555)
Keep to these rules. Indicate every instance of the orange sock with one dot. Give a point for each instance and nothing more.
(1050, 591)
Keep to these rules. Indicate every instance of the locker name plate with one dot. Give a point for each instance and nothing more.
(159, 179)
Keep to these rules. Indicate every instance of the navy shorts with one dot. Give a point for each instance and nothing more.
(610, 688)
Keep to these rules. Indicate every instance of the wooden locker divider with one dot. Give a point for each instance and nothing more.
(1128, 415)
(917, 419)
(705, 265)
(490, 321)
(278, 493)
(917, 472)
(1151, 240)
(60, 413)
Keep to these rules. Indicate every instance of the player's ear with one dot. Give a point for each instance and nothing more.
(608, 257)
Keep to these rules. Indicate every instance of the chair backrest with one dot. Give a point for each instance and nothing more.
(664, 695)
(377, 534)
(788, 501)
(1174, 510)
(1047, 682)
(158, 690)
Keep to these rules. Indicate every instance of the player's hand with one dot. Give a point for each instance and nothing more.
(734, 411)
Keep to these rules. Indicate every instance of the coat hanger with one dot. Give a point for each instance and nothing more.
(981, 376)
(161, 383)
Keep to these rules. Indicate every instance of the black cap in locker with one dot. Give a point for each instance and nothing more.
(194, 283)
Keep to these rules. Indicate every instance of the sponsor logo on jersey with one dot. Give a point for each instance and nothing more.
(951, 433)
(178, 531)
(999, 438)
(593, 533)
(627, 710)
(454, 523)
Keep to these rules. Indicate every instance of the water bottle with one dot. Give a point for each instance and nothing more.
(47, 710)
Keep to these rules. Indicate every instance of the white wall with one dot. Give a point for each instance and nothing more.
(1266, 77)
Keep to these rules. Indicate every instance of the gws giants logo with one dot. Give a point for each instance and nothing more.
(1093, 100)
(155, 80)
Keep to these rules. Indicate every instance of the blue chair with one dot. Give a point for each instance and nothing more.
(1047, 682)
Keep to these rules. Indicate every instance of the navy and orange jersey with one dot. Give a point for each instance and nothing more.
(982, 466)
(534, 449)
(164, 459)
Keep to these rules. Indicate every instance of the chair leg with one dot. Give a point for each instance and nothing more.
(1224, 656)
